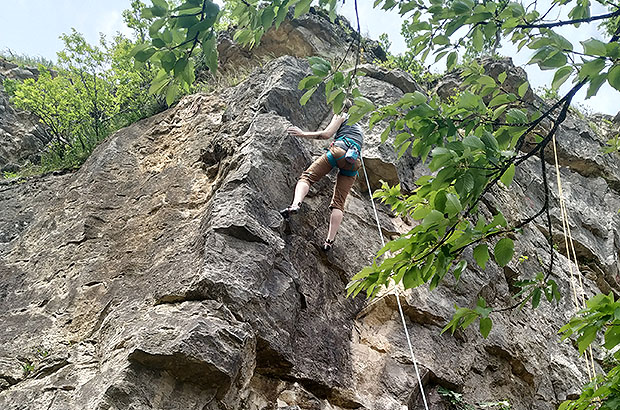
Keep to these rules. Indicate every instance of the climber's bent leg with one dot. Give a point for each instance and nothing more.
(314, 173)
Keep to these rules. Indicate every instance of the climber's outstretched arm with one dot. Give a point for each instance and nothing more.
(330, 130)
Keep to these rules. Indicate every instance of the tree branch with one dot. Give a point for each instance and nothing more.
(568, 22)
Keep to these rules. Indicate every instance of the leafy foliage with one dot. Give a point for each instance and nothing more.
(601, 316)
(92, 91)
(406, 61)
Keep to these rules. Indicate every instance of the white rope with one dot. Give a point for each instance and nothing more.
(572, 258)
(400, 309)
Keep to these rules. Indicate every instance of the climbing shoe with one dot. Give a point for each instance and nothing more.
(291, 210)
(328, 245)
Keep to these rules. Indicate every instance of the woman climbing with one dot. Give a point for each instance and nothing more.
(344, 152)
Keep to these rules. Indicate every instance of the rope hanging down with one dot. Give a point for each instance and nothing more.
(572, 258)
(400, 309)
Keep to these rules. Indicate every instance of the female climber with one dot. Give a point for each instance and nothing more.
(344, 152)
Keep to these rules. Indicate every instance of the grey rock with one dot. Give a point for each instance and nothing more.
(160, 274)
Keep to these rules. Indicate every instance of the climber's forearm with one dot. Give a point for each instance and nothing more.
(298, 132)
(316, 134)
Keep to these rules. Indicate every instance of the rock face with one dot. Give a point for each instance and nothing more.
(161, 276)
(308, 35)
(21, 136)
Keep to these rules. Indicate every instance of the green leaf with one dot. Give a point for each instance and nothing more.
(154, 28)
(499, 99)
(555, 60)
(145, 54)
(412, 278)
(453, 205)
(451, 60)
(304, 98)
(158, 42)
(159, 82)
(591, 68)
(586, 338)
(536, 297)
(501, 77)
(333, 95)
(282, 12)
(267, 17)
(481, 255)
(415, 98)
(561, 76)
(320, 67)
(302, 7)
(309, 82)
(421, 212)
(434, 217)
(508, 175)
(186, 21)
(162, 4)
(612, 337)
(168, 60)
(460, 267)
(147, 13)
(485, 326)
(614, 76)
(462, 6)
(477, 39)
(523, 88)
(516, 116)
(179, 67)
(209, 50)
(441, 40)
(503, 252)
(594, 47)
(541, 54)
(499, 111)
(595, 84)
(171, 93)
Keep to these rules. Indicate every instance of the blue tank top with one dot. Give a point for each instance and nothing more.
(353, 132)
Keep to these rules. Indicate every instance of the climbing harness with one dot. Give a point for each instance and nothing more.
(572, 258)
(334, 163)
(353, 149)
(400, 309)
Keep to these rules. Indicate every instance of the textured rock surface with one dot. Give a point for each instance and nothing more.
(21, 136)
(308, 35)
(161, 276)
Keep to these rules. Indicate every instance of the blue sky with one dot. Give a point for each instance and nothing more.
(33, 27)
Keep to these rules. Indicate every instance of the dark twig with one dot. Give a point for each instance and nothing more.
(568, 22)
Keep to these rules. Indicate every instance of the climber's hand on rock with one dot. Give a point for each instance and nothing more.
(296, 131)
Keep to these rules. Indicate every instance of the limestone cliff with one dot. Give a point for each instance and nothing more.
(161, 276)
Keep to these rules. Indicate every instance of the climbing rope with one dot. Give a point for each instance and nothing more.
(400, 309)
(572, 258)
